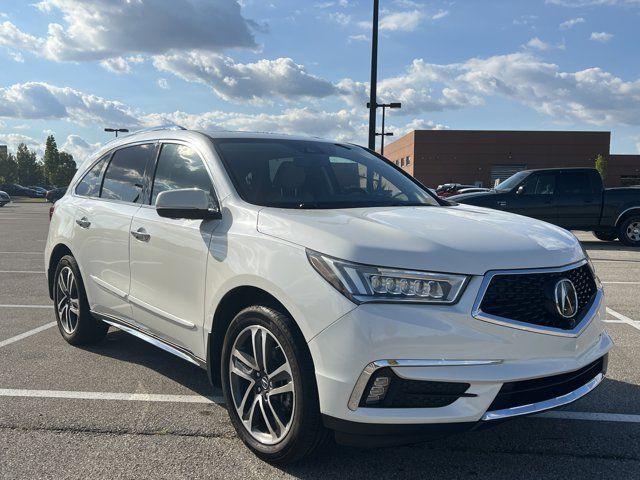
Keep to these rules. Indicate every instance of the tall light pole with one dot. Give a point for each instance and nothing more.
(383, 133)
(374, 78)
(116, 130)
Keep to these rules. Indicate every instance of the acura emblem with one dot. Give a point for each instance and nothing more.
(566, 298)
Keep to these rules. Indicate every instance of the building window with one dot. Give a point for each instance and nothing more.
(409, 160)
(402, 162)
(629, 180)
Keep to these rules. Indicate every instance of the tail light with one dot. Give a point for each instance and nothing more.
(51, 209)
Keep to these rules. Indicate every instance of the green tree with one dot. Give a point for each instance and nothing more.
(8, 168)
(66, 170)
(29, 170)
(51, 160)
(601, 165)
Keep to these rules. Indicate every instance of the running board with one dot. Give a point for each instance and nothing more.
(152, 339)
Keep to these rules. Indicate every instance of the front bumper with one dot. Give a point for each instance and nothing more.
(454, 347)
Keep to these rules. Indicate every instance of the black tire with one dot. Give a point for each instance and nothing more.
(629, 231)
(606, 236)
(306, 432)
(86, 330)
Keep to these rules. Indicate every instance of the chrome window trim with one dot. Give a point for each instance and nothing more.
(478, 314)
(363, 379)
(546, 404)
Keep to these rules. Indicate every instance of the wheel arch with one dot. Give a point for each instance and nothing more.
(231, 303)
(59, 251)
(626, 213)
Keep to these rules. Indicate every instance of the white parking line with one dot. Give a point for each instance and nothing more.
(129, 397)
(26, 306)
(21, 253)
(621, 283)
(22, 271)
(591, 416)
(17, 338)
(624, 319)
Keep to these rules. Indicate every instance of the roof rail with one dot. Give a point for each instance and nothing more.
(168, 126)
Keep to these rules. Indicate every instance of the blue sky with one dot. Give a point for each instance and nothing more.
(72, 67)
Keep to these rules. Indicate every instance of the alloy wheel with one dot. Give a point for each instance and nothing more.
(633, 231)
(67, 301)
(261, 385)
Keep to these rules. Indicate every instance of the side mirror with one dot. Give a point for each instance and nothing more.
(520, 190)
(189, 203)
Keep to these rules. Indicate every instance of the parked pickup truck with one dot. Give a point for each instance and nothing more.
(573, 198)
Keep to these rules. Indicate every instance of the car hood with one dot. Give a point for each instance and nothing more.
(457, 239)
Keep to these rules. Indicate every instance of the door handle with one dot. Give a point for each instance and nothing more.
(141, 234)
(83, 222)
(502, 203)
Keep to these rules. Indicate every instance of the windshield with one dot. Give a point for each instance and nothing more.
(308, 174)
(511, 182)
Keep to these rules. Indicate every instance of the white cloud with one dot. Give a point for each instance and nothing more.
(602, 37)
(358, 38)
(537, 44)
(572, 22)
(259, 82)
(340, 18)
(120, 65)
(38, 100)
(17, 57)
(79, 148)
(12, 140)
(163, 84)
(401, 21)
(440, 14)
(103, 29)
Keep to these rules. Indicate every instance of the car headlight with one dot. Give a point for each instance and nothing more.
(367, 283)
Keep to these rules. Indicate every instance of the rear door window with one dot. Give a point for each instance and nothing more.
(89, 186)
(124, 177)
(575, 183)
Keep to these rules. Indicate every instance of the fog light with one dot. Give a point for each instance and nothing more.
(378, 390)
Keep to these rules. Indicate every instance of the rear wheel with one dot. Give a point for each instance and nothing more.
(75, 322)
(629, 231)
(269, 386)
(605, 236)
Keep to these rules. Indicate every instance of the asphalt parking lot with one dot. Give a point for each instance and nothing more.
(124, 409)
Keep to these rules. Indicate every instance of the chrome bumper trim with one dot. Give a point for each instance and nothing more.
(529, 327)
(363, 379)
(547, 404)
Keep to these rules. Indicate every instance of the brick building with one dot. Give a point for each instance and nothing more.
(481, 157)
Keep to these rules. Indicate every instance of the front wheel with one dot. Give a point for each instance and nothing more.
(605, 236)
(269, 386)
(629, 231)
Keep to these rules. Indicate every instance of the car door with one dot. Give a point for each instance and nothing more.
(102, 226)
(579, 202)
(535, 198)
(169, 256)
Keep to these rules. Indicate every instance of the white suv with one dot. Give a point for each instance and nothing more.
(323, 288)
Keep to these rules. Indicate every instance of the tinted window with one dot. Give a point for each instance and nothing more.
(89, 186)
(540, 185)
(306, 174)
(575, 183)
(124, 176)
(179, 167)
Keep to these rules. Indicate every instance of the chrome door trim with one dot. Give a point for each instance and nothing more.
(161, 313)
(546, 404)
(363, 379)
(477, 312)
(151, 338)
(109, 288)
